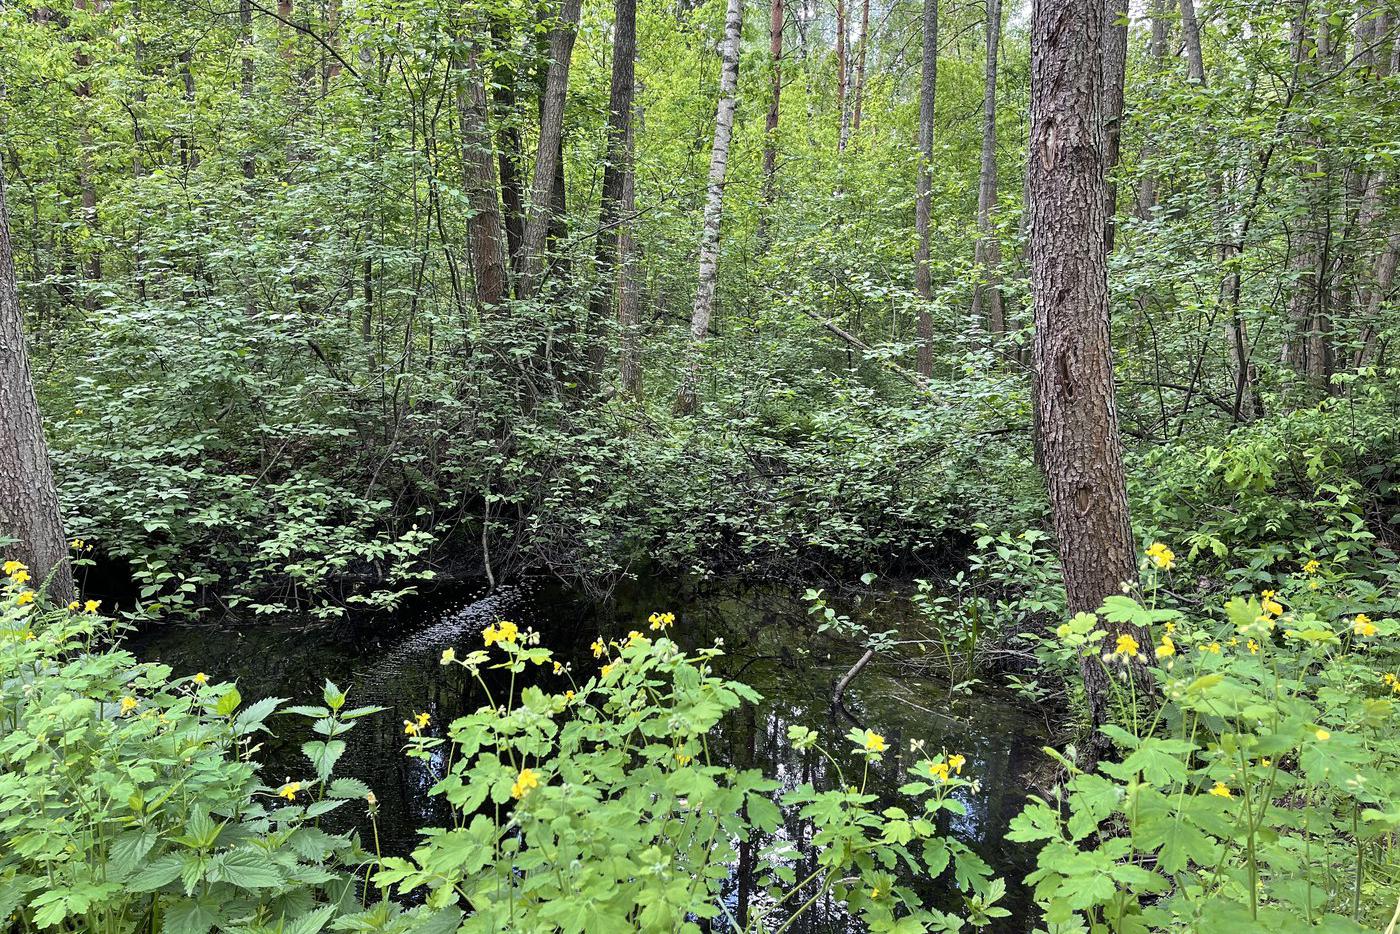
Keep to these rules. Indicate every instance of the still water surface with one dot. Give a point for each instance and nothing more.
(769, 644)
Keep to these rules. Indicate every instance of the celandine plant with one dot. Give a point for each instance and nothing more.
(599, 807)
(1258, 793)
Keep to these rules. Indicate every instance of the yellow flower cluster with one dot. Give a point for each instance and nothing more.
(1161, 556)
(874, 742)
(1363, 626)
(1391, 681)
(1221, 790)
(200, 678)
(1271, 606)
(504, 631)
(416, 725)
(636, 638)
(1312, 567)
(1167, 649)
(598, 647)
(128, 704)
(526, 780)
(943, 769)
(662, 621)
(1125, 650)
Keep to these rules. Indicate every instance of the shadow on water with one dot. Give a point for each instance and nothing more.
(769, 643)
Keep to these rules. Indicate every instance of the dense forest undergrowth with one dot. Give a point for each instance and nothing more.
(1080, 312)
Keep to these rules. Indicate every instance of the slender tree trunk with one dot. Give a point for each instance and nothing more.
(1157, 49)
(714, 206)
(82, 90)
(629, 318)
(331, 70)
(29, 508)
(479, 179)
(770, 136)
(841, 80)
(923, 202)
(1115, 66)
(1073, 357)
(862, 45)
(511, 149)
(189, 152)
(986, 297)
(616, 170)
(245, 82)
(1191, 32)
(547, 162)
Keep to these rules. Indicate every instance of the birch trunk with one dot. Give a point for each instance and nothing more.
(714, 206)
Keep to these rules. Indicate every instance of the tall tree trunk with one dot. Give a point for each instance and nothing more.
(629, 319)
(714, 206)
(862, 45)
(1073, 357)
(923, 201)
(29, 509)
(547, 161)
(986, 298)
(1157, 49)
(189, 154)
(1115, 70)
(1191, 33)
(479, 179)
(245, 82)
(770, 135)
(511, 149)
(616, 170)
(82, 90)
(841, 81)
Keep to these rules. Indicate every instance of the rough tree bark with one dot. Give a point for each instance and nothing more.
(245, 81)
(1191, 33)
(986, 297)
(82, 90)
(547, 163)
(862, 44)
(841, 81)
(1073, 358)
(486, 251)
(629, 317)
(615, 172)
(714, 206)
(29, 510)
(770, 137)
(923, 202)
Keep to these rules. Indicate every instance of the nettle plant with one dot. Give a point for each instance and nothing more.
(599, 807)
(1257, 794)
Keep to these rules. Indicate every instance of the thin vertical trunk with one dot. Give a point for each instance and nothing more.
(1191, 33)
(245, 82)
(714, 206)
(29, 508)
(923, 202)
(1073, 357)
(82, 90)
(331, 69)
(986, 297)
(862, 44)
(479, 179)
(1157, 49)
(629, 319)
(841, 82)
(547, 162)
(770, 136)
(189, 155)
(510, 147)
(616, 170)
(1115, 66)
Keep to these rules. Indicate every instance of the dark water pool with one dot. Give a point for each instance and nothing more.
(770, 644)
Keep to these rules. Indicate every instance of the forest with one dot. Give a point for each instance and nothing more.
(807, 466)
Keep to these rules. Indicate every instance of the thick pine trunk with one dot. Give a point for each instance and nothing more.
(615, 171)
(1073, 359)
(29, 510)
(543, 194)
(923, 202)
(987, 306)
(714, 206)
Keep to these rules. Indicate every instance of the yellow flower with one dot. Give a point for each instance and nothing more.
(13, 567)
(568, 696)
(1322, 735)
(503, 631)
(607, 669)
(422, 720)
(558, 667)
(92, 605)
(1266, 762)
(1233, 642)
(1363, 626)
(1127, 645)
(25, 598)
(1221, 790)
(874, 742)
(1161, 556)
(1167, 648)
(1170, 627)
(956, 763)
(20, 576)
(129, 704)
(200, 678)
(1212, 647)
(635, 638)
(662, 620)
(875, 893)
(1271, 606)
(523, 783)
(1253, 647)
(939, 770)
(1063, 630)
(289, 791)
(1311, 567)
(683, 758)
(598, 647)
(410, 728)
(74, 605)
(449, 655)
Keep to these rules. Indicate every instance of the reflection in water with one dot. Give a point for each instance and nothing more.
(769, 645)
